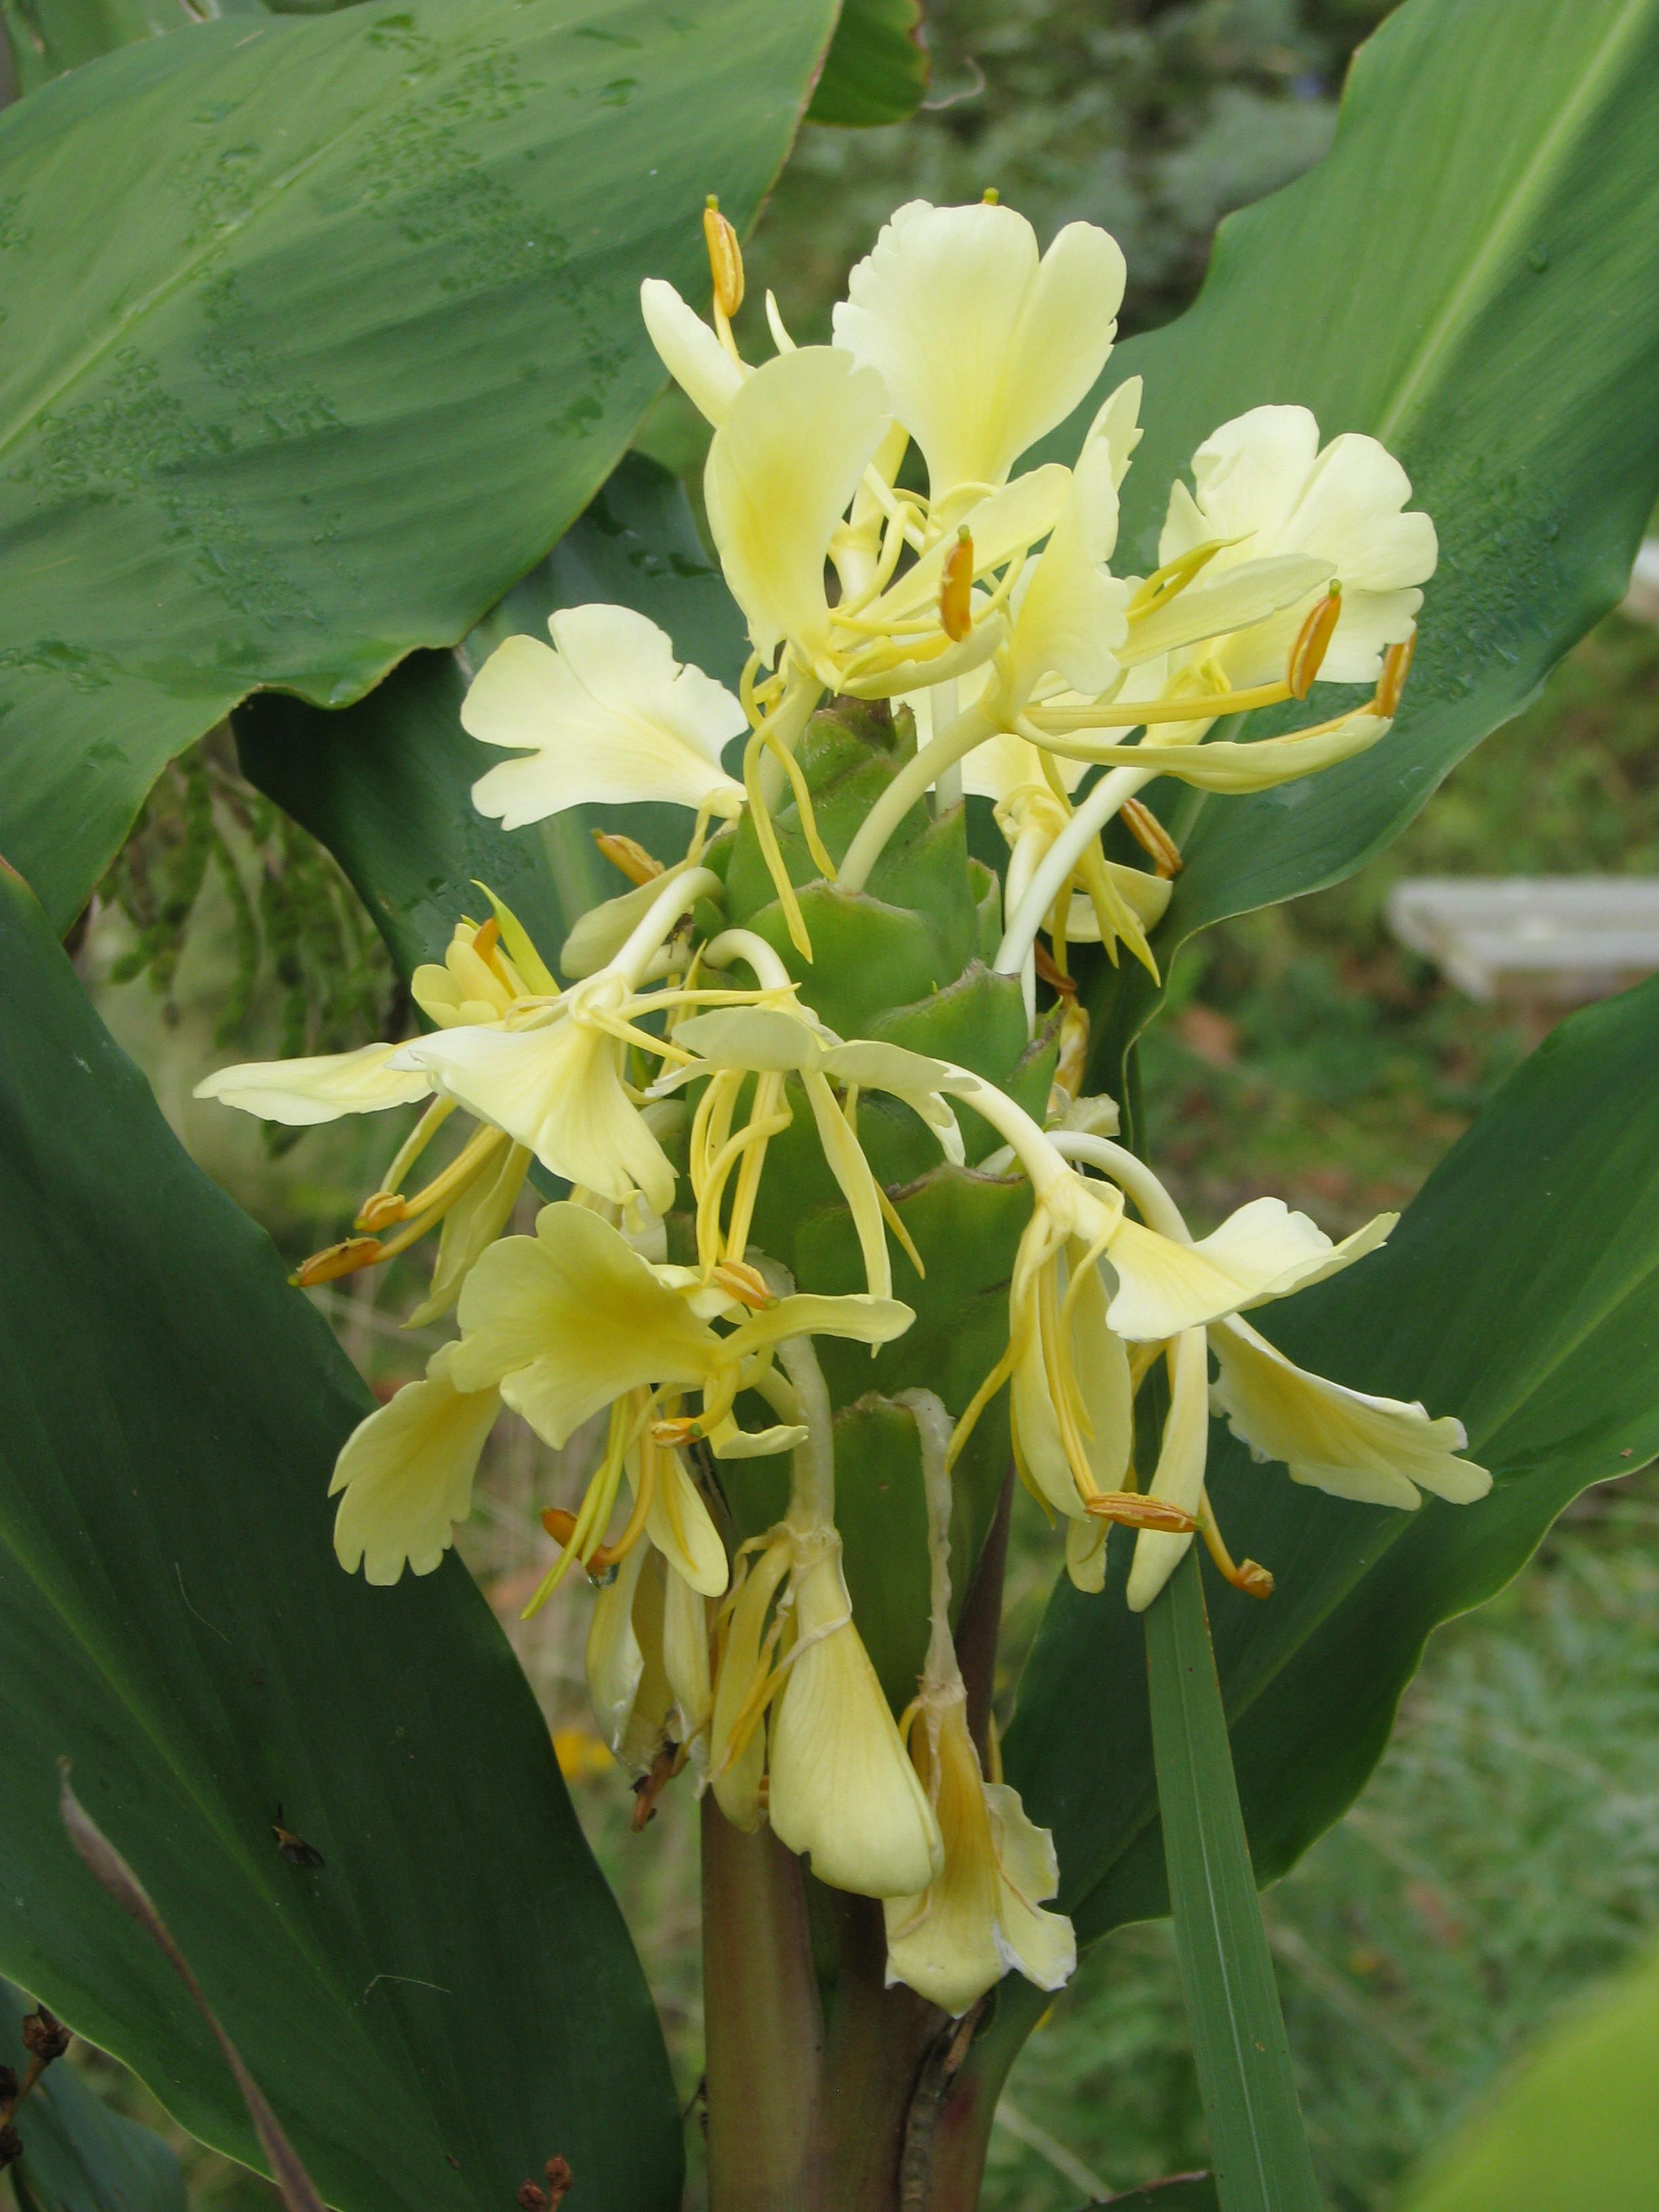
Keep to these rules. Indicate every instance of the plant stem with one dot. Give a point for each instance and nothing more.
(764, 2025)
(1243, 2061)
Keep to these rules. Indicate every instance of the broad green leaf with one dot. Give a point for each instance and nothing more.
(49, 37)
(387, 784)
(1521, 1293)
(1577, 2126)
(877, 68)
(79, 2155)
(1466, 277)
(450, 1997)
(321, 329)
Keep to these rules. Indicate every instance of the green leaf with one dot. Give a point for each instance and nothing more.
(1576, 2126)
(877, 68)
(48, 37)
(1466, 277)
(450, 1997)
(355, 335)
(1182, 2193)
(78, 2155)
(386, 785)
(1519, 1292)
(1239, 2048)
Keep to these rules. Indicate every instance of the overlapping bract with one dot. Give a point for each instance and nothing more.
(659, 1078)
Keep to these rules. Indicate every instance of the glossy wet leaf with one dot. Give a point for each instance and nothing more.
(877, 68)
(79, 2154)
(1519, 1292)
(322, 328)
(1467, 277)
(449, 1996)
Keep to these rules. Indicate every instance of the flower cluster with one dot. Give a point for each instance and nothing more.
(656, 1078)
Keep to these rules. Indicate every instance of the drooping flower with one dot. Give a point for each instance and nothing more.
(773, 1043)
(982, 1915)
(604, 715)
(843, 1791)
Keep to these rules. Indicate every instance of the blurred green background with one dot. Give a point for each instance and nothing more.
(1503, 1857)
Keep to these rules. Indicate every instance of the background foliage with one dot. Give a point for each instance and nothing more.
(1305, 1053)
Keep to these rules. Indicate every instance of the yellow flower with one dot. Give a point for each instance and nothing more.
(797, 444)
(571, 1319)
(605, 714)
(551, 1077)
(1377, 1451)
(646, 1663)
(1264, 487)
(843, 1793)
(981, 347)
(772, 1042)
(469, 986)
(407, 1473)
(981, 1916)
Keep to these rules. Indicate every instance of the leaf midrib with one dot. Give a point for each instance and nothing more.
(1527, 189)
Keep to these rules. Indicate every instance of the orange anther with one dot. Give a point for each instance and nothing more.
(380, 1209)
(746, 1284)
(629, 855)
(562, 1527)
(337, 1260)
(684, 1429)
(1132, 1508)
(1396, 667)
(1066, 985)
(956, 591)
(1312, 643)
(725, 260)
(1149, 833)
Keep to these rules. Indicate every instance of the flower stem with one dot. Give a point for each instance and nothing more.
(1243, 2061)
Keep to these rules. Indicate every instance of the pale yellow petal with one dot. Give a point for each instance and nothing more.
(1071, 615)
(685, 1662)
(407, 1473)
(558, 1089)
(303, 1092)
(1178, 1477)
(1377, 1450)
(689, 351)
(781, 470)
(737, 1759)
(568, 1319)
(1262, 1251)
(984, 348)
(844, 1792)
(679, 1525)
(607, 715)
